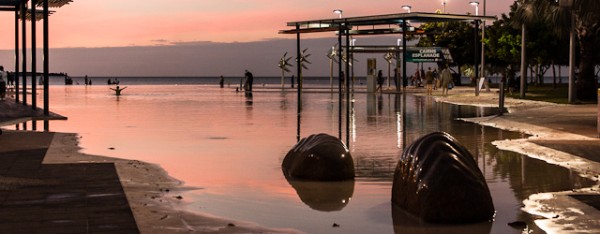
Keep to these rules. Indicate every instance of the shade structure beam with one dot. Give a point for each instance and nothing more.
(23, 9)
(33, 57)
(46, 59)
(17, 56)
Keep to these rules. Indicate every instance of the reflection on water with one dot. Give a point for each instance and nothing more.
(215, 139)
(324, 196)
(406, 223)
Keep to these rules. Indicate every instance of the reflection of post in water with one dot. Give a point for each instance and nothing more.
(299, 72)
(347, 85)
(248, 95)
(25, 127)
(284, 101)
(400, 108)
(324, 196)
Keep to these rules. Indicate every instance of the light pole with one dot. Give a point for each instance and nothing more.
(483, 49)
(407, 8)
(476, 4)
(339, 12)
(444, 4)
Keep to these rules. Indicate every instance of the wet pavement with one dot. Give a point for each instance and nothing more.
(89, 198)
(57, 198)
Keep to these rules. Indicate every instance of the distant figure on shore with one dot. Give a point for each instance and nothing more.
(11, 78)
(292, 81)
(436, 79)
(111, 82)
(2, 83)
(221, 81)
(429, 81)
(249, 80)
(85, 80)
(396, 77)
(118, 90)
(446, 79)
(416, 81)
(379, 81)
(343, 78)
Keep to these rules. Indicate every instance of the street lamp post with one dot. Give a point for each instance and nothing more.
(483, 48)
(476, 4)
(339, 12)
(444, 4)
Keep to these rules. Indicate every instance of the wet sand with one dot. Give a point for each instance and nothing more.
(559, 135)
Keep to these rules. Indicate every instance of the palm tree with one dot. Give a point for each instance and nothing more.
(586, 15)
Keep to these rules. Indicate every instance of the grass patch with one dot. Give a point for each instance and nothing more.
(547, 93)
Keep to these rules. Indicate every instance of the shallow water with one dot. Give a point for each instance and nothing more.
(232, 147)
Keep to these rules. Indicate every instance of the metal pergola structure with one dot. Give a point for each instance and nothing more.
(397, 23)
(33, 11)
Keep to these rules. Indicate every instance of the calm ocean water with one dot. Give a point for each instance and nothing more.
(232, 146)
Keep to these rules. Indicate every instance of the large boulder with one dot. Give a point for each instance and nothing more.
(318, 157)
(438, 181)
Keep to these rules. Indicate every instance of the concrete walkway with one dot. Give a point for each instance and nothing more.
(565, 135)
(57, 198)
(54, 198)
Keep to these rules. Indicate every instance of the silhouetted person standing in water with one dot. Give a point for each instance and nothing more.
(118, 90)
(221, 81)
(249, 80)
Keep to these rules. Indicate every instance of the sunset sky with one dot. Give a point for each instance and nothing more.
(111, 23)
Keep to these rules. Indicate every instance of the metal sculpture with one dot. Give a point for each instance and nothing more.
(303, 60)
(283, 65)
(389, 57)
(331, 54)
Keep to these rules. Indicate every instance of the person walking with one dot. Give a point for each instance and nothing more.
(429, 81)
(221, 81)
(379, 81)
(417, 78)
(249, 81)
(446, 79)
(436, 79)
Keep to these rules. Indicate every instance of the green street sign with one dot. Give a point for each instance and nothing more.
(428, 55)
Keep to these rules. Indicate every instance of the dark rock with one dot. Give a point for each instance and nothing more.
(438, 181)
(319, 157)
